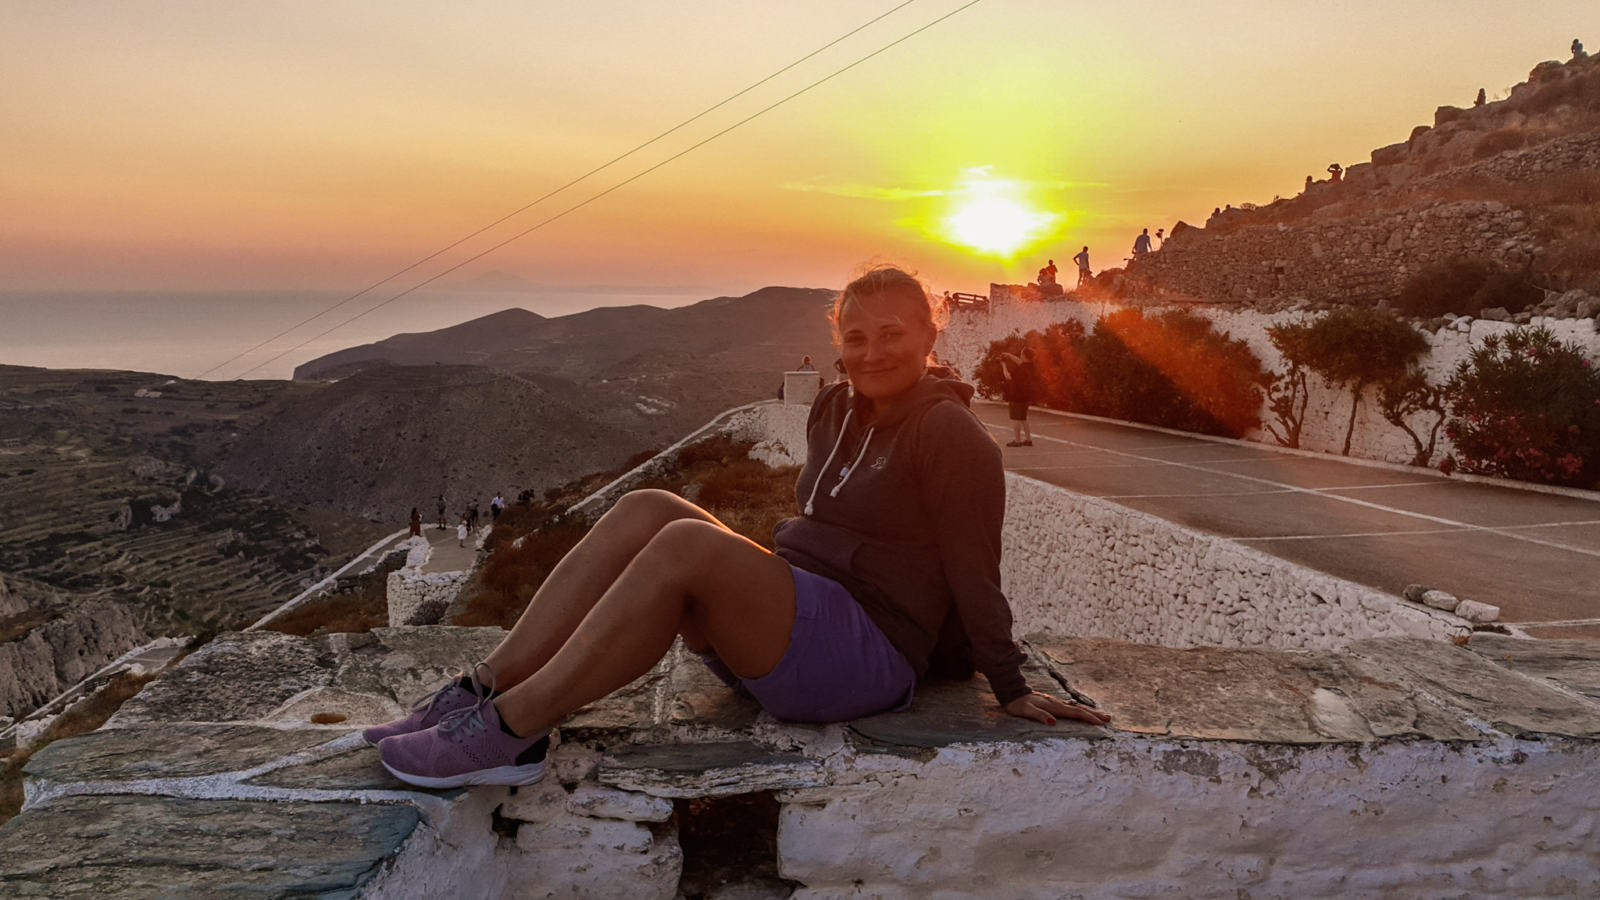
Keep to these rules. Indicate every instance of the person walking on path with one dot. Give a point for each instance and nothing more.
(442, 525)
(416, 522)
(1022, 379)
(896, 551)
(495, 506)
(1082, 259)
(461, 532)
(472, 515)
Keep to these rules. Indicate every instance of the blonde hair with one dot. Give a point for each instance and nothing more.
(889, 281)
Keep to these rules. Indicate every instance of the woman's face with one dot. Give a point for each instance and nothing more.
(885, 343)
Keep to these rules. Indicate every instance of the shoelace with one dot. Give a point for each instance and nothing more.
(471, 717)
(426, 704)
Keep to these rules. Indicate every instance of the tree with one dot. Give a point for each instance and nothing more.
(1287, 392)
(1400, 398)
(1356, 347)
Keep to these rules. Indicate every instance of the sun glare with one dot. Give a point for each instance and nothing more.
(990, 216)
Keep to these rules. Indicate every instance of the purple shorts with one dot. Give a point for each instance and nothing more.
(839, 665)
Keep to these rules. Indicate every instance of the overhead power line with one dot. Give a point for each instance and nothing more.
(536, 201)
(621, 184)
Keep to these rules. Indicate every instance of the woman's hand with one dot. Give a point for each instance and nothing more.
(1044, 708)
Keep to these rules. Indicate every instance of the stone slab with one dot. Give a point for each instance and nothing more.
(712, 769)
(125, 847)
(236, 677)
(1573, 664)
(1268, 696)
(266, 676)
(177, 751)
(1507, 700)
(964, 712)
(356, 770)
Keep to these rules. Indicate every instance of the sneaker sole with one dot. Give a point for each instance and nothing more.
(507, 775)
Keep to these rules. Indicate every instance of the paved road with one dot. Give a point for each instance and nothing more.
(1535, 555)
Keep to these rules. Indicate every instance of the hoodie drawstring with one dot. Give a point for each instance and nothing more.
(852, 469)
(811, 500)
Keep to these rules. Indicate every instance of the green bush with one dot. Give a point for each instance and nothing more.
(1466, 287)
(1526, 406)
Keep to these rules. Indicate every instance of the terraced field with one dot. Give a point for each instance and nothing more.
(112, 527)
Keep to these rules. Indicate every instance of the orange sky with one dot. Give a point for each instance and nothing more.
(219, 146)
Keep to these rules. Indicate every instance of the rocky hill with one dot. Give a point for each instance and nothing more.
(1513, 183)
(117, 526)
(515, 401)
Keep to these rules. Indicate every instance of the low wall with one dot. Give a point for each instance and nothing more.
(1079, 565)
(970, 333)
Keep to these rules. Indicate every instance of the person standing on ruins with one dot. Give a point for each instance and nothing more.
(896, 549)
(1141, 244)
(1082, 259)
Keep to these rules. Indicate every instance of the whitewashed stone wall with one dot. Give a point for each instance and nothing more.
(1077, 565)
(778, 430)
(969, 334)
(1215, 819)
(420, 598)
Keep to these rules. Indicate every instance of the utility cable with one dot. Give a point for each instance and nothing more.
(575, 207)
(532, 203)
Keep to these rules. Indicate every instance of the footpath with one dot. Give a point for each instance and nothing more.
(1534, 554)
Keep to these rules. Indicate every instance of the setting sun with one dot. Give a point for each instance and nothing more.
(990, 216)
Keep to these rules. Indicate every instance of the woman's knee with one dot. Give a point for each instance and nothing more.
(649, 509)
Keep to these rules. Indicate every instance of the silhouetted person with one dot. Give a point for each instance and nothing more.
(416, 522)
(1159, 238)
(1335, 172)
(1481, 99)
(1082, 259)
(1141, 244)
(1577, 49)
(1051, 268)
(1308, 182)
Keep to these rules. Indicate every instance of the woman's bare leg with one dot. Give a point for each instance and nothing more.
(692, 576)
(582, 577)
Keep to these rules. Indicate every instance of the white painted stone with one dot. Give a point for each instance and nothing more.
(566, 832)
(1440, 600)
(590, 799)
(1474, 611)
(585, 874)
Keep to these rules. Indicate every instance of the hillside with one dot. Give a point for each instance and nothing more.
(117, 525)
(1512, 185)
(515, 401)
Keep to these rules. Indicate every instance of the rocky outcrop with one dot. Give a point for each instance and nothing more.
(1484, 183)
(69, 644)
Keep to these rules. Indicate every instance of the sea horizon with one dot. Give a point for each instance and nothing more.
(184, 333)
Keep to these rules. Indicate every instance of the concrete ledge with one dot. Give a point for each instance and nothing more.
(1400, 766)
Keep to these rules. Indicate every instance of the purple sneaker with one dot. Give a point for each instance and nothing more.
(468, 746)
(427, 712)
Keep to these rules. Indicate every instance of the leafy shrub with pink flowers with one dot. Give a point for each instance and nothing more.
(1526, 406)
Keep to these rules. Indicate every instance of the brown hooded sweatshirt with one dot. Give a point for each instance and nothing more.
(905, 512)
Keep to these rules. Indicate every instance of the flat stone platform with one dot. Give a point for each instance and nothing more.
(1534, 554)
(1394, 766)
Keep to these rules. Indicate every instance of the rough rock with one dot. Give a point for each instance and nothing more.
(1441, 600)
(138, 847)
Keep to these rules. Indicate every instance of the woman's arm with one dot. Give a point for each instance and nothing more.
(963, 483)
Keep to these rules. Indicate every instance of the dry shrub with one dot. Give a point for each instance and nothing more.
(530, 539)
(1498, 142)
(82, 718)
(354, 606)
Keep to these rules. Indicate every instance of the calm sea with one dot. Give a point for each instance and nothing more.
(184, 334)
